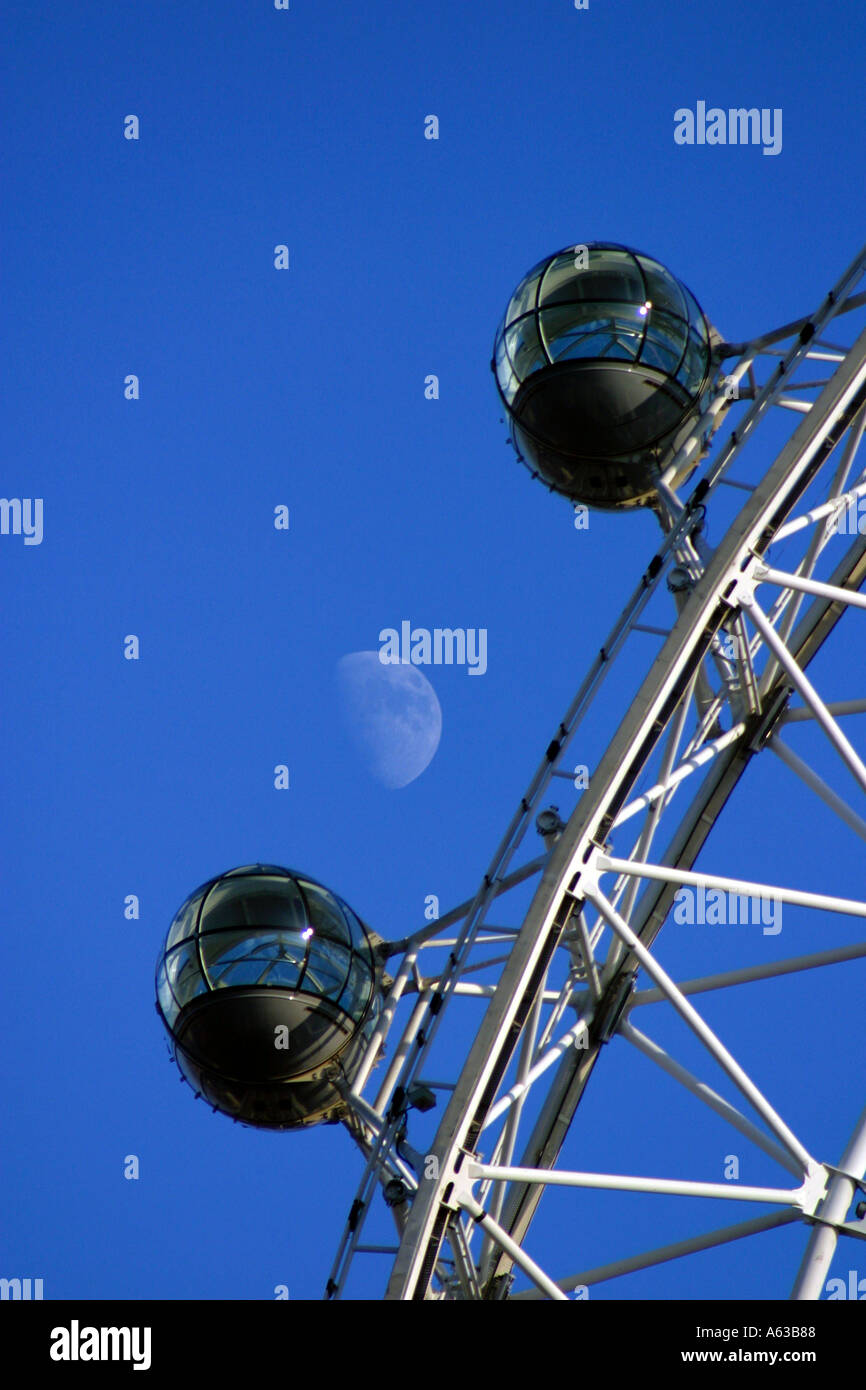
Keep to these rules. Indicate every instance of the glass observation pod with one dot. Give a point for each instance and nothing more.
(268, 986)
(603, 360)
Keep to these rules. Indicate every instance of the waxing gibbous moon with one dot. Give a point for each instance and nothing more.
(392, 716)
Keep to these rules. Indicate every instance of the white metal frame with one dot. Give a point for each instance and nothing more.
(579, 949)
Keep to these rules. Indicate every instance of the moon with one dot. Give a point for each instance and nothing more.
(392, 716)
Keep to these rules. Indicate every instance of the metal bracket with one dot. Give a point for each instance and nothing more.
(457, 1186)
(859, 1183)
(743, 593)
(770, 718)
(857, 1229)
(813, 1190)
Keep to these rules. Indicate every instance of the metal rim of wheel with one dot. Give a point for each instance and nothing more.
(745, 635)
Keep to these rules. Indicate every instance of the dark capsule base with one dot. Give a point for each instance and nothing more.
(225, 1045)
(594, 432)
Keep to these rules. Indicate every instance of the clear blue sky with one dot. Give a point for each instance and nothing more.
(306, 388)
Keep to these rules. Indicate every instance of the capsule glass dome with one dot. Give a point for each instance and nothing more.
(602, 360)
(267, 984)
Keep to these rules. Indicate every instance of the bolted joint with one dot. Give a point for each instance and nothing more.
(455, 1184)
(549, 825)
(679, 580)
(396, 1193)
(741, 594)
(420, 1097)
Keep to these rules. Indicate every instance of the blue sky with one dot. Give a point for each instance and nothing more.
(305, 388)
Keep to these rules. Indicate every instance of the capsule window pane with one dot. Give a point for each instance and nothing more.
(184, 973)
(358, 989)
(262, 901)
(327, 969)
(167, 1001)
(523, 298)
(282, 973)
(324, 914)
(524, 347)
(663, 291)
(373, 1015)
(609, 276)
(185, 920)
(660, 353)
(590, 331)
(561, 280)
(665, 341)
(694, 367)
(500, 361)
(356, 926)
(508, 382)
(695, 314)
(233, 958)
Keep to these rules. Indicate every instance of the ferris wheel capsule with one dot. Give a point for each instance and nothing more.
(603, 360)
(267, 984)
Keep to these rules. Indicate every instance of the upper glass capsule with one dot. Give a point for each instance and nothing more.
(601, 359)
(267, 984)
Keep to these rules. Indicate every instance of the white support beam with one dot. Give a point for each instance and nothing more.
(817, 785)
(566, 994)
(511, 1248)
(438, 981)
(805, 687)
(456, 914)
(473, 991)
(499, 934)
(837, 504)
(650, 826)
(685, 769)
(802, 1197)
(705, 1093)
(508, 1138)
(820, 538)
(592, 976)
(743, 887)
(675, 1251)
(575, 1037)
(384, 1024)
(750, 973)
(703, 1031)
(783, 580)
(422, 1004)
(837, 709)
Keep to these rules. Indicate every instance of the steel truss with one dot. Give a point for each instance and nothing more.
(561, 982)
